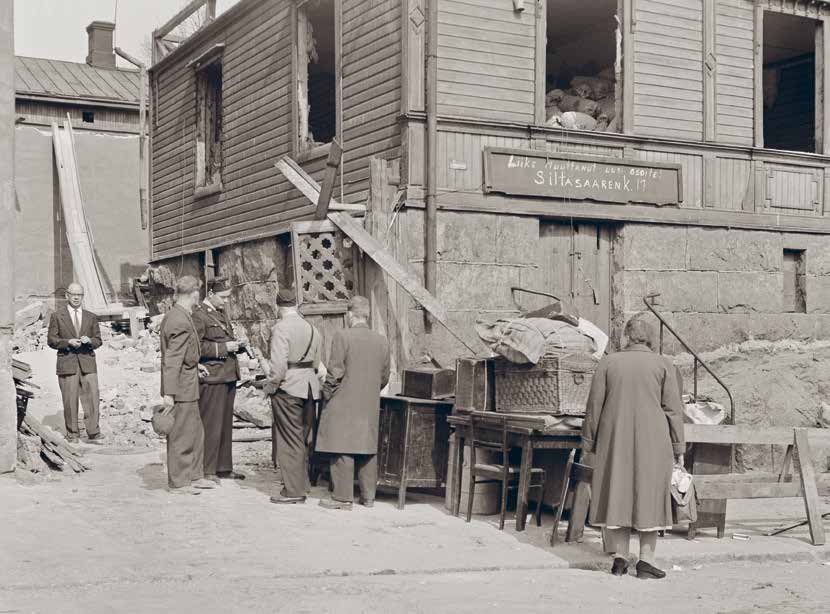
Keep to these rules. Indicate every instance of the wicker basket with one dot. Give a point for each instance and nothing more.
(557, 385)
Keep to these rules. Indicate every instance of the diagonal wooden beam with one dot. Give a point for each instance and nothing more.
(309, 188)
(332, 164)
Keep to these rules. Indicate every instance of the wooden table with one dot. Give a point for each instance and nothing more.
(413, 443)
(527, 439)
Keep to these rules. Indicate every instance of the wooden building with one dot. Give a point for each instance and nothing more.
(696, 164)
(101, 101)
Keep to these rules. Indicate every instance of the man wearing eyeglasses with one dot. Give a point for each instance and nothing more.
(75, 334)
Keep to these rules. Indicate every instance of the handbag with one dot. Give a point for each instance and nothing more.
(683, 497)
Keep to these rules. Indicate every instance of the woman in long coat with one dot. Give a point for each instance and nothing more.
(633, 427)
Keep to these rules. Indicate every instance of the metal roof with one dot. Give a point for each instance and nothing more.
(72, 81)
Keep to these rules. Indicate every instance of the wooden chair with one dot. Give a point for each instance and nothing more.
(574, 474)
(505, 474)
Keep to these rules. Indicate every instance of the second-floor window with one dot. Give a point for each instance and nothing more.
(209, 126)
(316, 78)
(582, 64)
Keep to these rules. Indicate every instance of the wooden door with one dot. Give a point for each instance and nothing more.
(575, 265)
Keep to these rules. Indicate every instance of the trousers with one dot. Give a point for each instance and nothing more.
(185, 446)
(617, 543)
(216, 410)
(84, 386)
(342, 476)
(292, 424)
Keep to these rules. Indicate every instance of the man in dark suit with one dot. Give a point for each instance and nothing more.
(217, 389)
(293, 386)
(180, 388)
(358, 370)
(75, 334)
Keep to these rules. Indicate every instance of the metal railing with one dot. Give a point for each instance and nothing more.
(697, 359)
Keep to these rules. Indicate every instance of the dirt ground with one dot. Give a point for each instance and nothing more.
(114, 540)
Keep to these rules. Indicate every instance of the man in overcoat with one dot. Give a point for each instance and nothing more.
(217, 389)
(180, 355)
(358, 370)
(294, 388)
(75, 334)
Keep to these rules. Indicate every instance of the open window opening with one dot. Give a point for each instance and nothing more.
(209, 128)
(795, 281)
(583, 65)
(317, 95)
(789, 82)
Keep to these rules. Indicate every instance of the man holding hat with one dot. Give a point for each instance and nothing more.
(180, 388)
(217, 389)
(294, 387)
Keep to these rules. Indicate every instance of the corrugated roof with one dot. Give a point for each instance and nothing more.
(72, 80)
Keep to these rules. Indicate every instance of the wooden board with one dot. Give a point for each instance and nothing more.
(808, 485)
(74, 218)
(750, 435)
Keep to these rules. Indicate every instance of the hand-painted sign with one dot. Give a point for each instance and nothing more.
(577, 177)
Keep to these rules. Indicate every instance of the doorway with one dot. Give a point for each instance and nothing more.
(575, 265)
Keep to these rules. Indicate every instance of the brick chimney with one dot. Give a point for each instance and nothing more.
(101, 53)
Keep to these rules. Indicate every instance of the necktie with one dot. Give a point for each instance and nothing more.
(77, 321)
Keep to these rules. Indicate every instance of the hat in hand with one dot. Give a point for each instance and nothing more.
(286, 297)
(162, 421)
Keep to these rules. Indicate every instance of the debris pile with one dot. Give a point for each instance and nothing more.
(589, 104)
(31, 328)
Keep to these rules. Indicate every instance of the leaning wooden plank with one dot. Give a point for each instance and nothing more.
(749, 435)
(808, 485)
(326, 191)
(309, 187)
(407, 279)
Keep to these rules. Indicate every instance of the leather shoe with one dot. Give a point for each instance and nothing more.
(72, 439)
(367, 502)
(334, 504)
(620, 566)
(97, 439)
(230, 475)
(204, 484)
(646, 571)
(282, 500)
(212, 478)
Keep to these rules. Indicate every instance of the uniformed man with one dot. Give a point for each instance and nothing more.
(180, 389)
(217, 389)
(358, 370)
(294, 387)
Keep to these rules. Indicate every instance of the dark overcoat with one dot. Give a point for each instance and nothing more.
(358, 370)
(633, 425)
(179, 356)
(61, 330)
(215, 331)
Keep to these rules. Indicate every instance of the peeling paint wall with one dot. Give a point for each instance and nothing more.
(720, 286)
(108, 166)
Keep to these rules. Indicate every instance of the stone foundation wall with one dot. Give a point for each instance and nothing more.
(721, 286)
(480, 256)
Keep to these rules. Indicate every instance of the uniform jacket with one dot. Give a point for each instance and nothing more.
(290, 338)
(62, 329)
(633, 424)
(358, 371)
(215, 331)
(179, 356)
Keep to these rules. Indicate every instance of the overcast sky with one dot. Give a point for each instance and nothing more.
(56, 29)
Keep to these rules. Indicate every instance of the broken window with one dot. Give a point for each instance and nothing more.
(583, 60)
(789, 89)
(795, 286)
(88, 117)
(209, 126)
(316, 78)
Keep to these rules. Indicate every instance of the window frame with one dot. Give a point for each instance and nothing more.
(302, 153)
(202, 185)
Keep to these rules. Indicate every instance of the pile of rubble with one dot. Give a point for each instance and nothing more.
(30, 328)
(589, 104)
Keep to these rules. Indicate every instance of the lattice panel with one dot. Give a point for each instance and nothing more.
(325, 266)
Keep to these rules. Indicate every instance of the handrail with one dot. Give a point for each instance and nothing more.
(697, 358)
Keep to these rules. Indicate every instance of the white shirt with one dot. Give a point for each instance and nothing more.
(77, 317)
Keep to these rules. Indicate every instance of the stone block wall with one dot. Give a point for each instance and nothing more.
(719, 286)
(480, 256)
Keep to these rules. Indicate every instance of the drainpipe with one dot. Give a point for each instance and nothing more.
(143, 171)
(431, 96)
